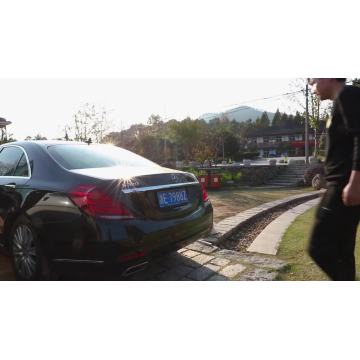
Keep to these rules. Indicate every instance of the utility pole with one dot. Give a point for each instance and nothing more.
(165, 150)
(318, 122)
(307, 123)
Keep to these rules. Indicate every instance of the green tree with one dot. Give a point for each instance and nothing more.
(298, 120)
(39, 137)
(219, 130)
(276, 122)
(232, 147)
(155, 124)
(187, 134)
(284, 121)
(356, 82)
(264, 120)
(7, 138)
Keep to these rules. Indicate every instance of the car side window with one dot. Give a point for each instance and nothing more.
(9, 159)
(22, 168)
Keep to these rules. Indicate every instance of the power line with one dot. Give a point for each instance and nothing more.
(236, 109)
(267, 98)
(259, 99)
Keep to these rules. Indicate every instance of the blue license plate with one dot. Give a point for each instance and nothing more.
(172, 198)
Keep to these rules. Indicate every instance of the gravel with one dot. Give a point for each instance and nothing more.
(246, 234)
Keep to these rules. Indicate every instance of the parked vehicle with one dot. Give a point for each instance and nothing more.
(64, 203)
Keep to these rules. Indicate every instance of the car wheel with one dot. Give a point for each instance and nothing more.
(27, 258)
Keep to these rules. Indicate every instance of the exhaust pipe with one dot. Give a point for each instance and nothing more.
(135, 269)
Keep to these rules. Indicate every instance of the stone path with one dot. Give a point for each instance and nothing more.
(200, 261)
(196, 262)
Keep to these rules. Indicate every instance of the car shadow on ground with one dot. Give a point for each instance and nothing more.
(171, 267)
(6, 271)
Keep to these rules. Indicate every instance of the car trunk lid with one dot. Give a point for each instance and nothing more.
(152, 193)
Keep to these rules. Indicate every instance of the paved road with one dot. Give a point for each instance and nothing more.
(196, 262)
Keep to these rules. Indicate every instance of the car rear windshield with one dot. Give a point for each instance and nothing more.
(73, 157)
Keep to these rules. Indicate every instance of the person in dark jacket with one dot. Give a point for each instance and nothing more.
(332, 241)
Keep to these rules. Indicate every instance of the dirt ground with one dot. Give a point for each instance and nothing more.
(229, 202)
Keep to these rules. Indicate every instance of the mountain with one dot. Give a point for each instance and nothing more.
(239, 114)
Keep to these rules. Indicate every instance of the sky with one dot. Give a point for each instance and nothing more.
(46, 105)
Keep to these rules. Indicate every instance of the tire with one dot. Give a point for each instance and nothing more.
(27, 258)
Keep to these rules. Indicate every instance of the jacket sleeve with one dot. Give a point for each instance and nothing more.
(349, 106)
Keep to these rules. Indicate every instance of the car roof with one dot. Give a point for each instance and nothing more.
(43, 143)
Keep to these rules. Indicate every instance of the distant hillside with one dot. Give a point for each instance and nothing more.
(239, 114)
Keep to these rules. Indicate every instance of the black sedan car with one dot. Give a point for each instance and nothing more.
(74, 203)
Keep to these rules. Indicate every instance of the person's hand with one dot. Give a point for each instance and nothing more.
(351, 195)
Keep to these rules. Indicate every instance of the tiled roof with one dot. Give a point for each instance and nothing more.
(270, 131)
(4, 122)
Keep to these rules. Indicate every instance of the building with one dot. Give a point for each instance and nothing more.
(3, 124)
(278, 142)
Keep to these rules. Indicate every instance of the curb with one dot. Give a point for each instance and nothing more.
(228, 226)
(268, 241)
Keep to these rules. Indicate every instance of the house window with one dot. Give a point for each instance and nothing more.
(298, 137)
(259, 140)
(278, 139)
(285, 138)
(266, 139)
(292, 138)
(272, 139)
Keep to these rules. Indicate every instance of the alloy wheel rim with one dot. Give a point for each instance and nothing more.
(24, 251)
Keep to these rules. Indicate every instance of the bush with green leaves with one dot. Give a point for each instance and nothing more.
(194, 171)
(237, 176)
(225, 177)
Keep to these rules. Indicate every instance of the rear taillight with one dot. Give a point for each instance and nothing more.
(98, 203)
(204, 193)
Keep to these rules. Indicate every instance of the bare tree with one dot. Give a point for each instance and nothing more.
(318, 110)
(89, 123)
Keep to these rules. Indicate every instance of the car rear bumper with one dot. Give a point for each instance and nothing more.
(127, 243)
(118, 268)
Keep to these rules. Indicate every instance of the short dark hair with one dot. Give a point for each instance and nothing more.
(340, 80)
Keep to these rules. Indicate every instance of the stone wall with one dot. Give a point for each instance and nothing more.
(257, 175)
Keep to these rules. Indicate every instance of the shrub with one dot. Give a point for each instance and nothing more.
(237, 177)
(318, 182)
(194, 171)
(225, 176)
(312, 172)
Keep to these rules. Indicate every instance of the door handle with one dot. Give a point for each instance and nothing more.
(12, 186)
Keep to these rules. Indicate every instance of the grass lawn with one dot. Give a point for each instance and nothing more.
(229, 202)
(293, 250)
